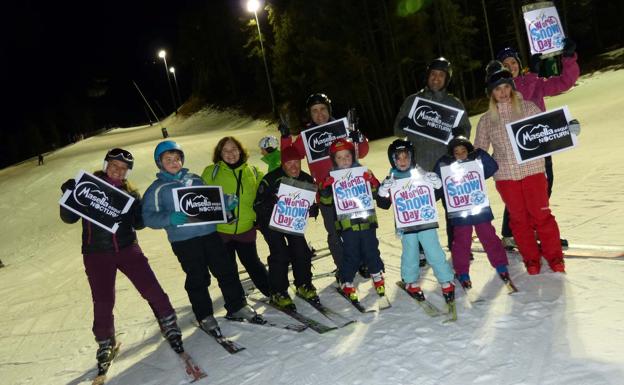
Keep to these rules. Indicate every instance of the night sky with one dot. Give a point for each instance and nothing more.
(77, 48)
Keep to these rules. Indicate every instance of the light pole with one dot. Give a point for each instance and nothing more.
(253, 6)
(175, 81)
(163, 55)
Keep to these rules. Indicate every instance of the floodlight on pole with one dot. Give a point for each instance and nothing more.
(175, 81)
(253, 6)
(163, 55)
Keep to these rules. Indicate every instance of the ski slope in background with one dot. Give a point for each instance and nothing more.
(559, 329)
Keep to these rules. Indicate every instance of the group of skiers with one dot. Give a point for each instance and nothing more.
(210, 250)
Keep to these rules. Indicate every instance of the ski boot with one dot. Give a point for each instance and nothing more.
(349, 291)
(209, 324)
(378, 282)
(282, 300)
(509, 243)
(557, 266)
(464, 280)
(564, 243)
(246, 313)
(171, 332)
(308, 292)
(415, 291)
(107, 349)
(363, 270)
(448, 292)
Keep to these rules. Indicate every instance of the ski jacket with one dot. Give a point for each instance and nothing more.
(158, 205)
(493, 132)
(489, 168)
(266, 197)
(95, 238)
(319, 170)
(534, 89)
(241, 181)
(273, 160)
(428, 151)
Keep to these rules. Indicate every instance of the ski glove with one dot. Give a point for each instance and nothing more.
(283, 129)
(329, 181)
(406, 123)
(575, 127)
(434, 179)
(314, 211)
(70, 184)
(569, 46)
(231, 201)
(178, 218)
(356, 136)
(384, 190)
(370, 178)
(535, 63)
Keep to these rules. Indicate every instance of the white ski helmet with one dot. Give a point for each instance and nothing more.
(268, 142)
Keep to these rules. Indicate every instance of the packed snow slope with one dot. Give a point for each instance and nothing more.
(558, 329)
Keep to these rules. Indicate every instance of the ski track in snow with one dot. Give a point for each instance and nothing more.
(558, 329)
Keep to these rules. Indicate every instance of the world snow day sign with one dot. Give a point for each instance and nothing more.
(541, 135)
(97, 201)
(414, 203)
(202, 204)
(433, 120)
(316, 140)
(290, 213)
(352, 193)
(464, 188)
(544, 29)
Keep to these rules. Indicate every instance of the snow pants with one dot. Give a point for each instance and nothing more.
(101, 269)
(287, 249)
(527, 202)
(201, 256)
(462, 241)
(245, 246)
(410, 259)
(333, 238)
(359, 247)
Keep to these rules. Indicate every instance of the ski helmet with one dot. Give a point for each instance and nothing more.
(118, 154)
(318, 98)
(459, 141)
(339, 145)
(164, 146)
(268, 142)
(496, 74)
(441, 64)
(506, 53)
(401, 145)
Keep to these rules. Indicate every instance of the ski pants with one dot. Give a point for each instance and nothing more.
(201, 256)
(333, 238)
(527, 201)
(492, 245)
(101, 269)
(359, 247)
(287, 249)
(245, 246)
(410, 268)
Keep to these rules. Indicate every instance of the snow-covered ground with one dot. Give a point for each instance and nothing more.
(559, 329)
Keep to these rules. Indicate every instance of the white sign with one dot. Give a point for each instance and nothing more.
(290, 213)
(352, 193)
(464, 188)
(414, 202)
(544, 28)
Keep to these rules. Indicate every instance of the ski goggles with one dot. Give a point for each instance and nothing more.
(120, 154)
(500, 77)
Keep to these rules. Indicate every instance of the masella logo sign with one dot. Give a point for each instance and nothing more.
(194, 204)
(318, 142)
(531, 136)
(89, 194)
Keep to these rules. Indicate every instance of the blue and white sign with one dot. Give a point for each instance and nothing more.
(464, 187)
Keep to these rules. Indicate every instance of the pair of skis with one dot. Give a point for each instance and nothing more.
(383, 302)
(430, 309)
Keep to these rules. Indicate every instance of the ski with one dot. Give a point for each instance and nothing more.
(293, 327)
(469, 295)
(427, 306)
(452, 312)
(383, 302)
(511, 288)
(330, 314)
(229, 345)
(103, 367)
(193, 371)
(309, 322)
(356, 304)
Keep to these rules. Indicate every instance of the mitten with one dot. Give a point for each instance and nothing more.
(283, 128)
(178, 218)
(569, 46)
(575, 127)
(370, 178)
(314, 211)
(69, 184)
(384, 190)
(231, 202)
(535, 63)
(434, 179)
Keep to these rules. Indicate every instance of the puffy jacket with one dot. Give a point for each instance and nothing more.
(95, 238)
(243, 182)
(428, 151)
(273, 160)
(158, 205)
(489, 168)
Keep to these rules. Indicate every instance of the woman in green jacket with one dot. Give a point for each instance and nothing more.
(231, 171)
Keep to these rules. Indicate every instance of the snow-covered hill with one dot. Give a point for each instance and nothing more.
(559, 329)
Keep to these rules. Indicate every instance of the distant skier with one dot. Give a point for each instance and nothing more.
(104, 253)
(40, 159)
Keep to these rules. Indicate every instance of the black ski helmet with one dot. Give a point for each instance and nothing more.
(118, 154)
(496, 74)
(508, 52)
(318, 98)
(441, 64)
(459, 141)
(400, 145)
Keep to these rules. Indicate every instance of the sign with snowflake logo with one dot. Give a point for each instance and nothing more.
(544, 29)
(352, 193)
(464, 188)
(290, 213)
(414, 203)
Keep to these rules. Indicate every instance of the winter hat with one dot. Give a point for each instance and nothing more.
(496, 74)
(506, 53)
(289, 153)
(459, 141)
